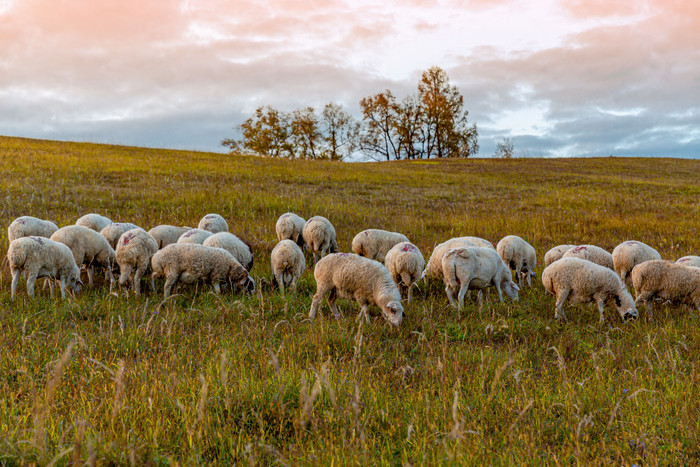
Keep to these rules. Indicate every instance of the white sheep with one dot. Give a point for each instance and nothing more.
(520, 256)
(375, 243)
(693, 261)
(556, 253)
(289, 226)
(94, 221)
(190, 263)
(194, 236)
(165, 234)
(239, 248)
(582, 281)
(628, 254)
(135, 249)
(115, 230)
(406, 266)
(35, 257)
(477, 268)
(89, 248)
(480, 242)
(434, 267)
(214, 223)
(288, 264)
(319, 236)
(592, 253)
(28, 226)
(666, 280)
(347, 275)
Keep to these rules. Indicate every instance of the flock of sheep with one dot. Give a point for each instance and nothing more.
(383, 268)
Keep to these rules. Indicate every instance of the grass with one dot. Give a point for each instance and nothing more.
(200, 378)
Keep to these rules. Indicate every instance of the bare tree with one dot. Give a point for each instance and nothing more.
(378, 139)
(504, 149)
(340, 132)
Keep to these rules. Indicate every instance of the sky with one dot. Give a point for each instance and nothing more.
(557, 77)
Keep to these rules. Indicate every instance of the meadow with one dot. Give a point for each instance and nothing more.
(198, 378)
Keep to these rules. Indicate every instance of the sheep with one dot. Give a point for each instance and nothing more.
(520, 256)
(474, 267)
(35, 257)
(628, 254)
(240, 249)
(94, 221)
(115, 230)
(375, 243)
(592, 253)
(582, 281)
(556, 253)
(213, 223)
(191, 262)
(351, 276)
(289, 226)
(406, 266)
(288, 264)
(164, 235)
(89, 248)
(480, 242)
(434, 267)
(319, 236)
(134, 252)
(28, 226)
(693, 261)
(194, 236)
(666, 280)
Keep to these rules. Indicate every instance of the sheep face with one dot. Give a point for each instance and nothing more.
(393, 311)
(630, 315)
(511, 289)
(75, 284)
(247, 283)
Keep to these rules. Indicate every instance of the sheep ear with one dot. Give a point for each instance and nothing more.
(515, 286)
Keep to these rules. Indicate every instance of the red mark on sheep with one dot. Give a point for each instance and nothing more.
(579, 249)
(21, 221)
(127, 238)
(38, 240)
(408, 247)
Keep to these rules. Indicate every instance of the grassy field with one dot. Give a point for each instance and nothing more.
(201, 378)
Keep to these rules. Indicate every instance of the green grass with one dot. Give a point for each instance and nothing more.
(205, 379)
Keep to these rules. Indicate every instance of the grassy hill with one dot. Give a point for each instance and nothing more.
(203, 378)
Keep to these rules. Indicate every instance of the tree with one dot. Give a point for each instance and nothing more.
(378, 139)
(408, 128)
(504, 149)
(340, 132)
(306, 136)
(266, 133)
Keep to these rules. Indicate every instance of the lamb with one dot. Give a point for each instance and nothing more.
(592, 253)
(628, 254)
(89, 248)
(406, 266)
(520, 256)
(375, 243)
(288, 264)
(164, 235)
(94, 221)
(240, 249)
(347, 275)
(474, 267)
(693, 261)
(434, 268)
(191, 262)
(319, 236)
(35, 257)
(666, 280)
(134, 252)
(115, 230)
(194, 236)
(289, 226)
(582, 281)
(213, 223)
(28, 226)
(556, 253)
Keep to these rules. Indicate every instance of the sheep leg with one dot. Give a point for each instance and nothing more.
(601, 306)
(332, 298)
(318, 296)
(646, 298)
(293, 286)
(450, 295)
(529, 279)
(169, 282)
(480, 296)
(559, 306)
(31, 278)
(410, 292)
(460, 296)
(519, 273)
(15, 281)
(498, 288)
(62, 284)
(279, 277)
(90, 272)
(364, 311)
(217, 288)
(125, 275)
(137, 280)
(153, 284)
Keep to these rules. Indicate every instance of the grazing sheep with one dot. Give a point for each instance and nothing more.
(35, 257)
(406, 266)
(191, 262)
(582, 281)
(28, 226)
(89, 248)
(478, 268)
(164, 235)
(480, 242)
(240, 249)
(628, 254)
(289, 226)
(556, 253)
(592, 253)
(355, 277)
(520, 256)
(194, 236)
(693, 261)
(319, 236)
(93, 221)
(288, 264)
(213, 223)
(134, 252)
(434, 268)
(375, 243)
(666, 280)
(115, 230)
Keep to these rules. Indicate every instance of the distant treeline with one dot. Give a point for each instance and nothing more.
(430, 124)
